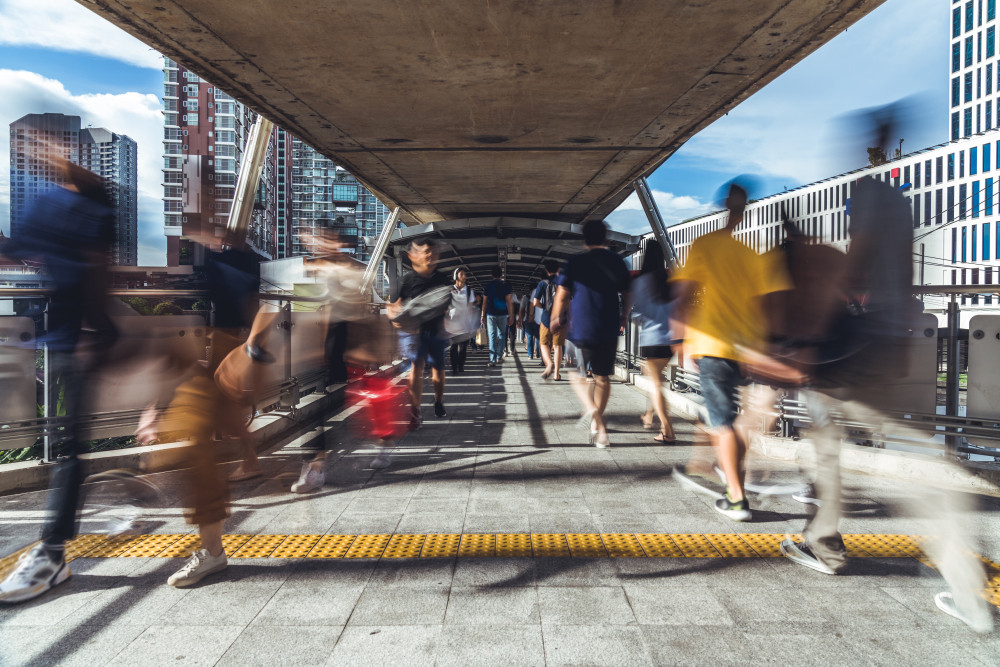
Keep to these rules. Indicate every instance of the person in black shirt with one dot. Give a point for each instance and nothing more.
(431, 342)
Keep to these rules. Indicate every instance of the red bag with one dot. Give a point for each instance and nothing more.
(384, 414)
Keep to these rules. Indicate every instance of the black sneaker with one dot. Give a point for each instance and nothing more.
(799, 552)
(737, 511)
(439, 409)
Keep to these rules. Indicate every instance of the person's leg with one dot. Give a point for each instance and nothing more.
(493, 330)
(719, 380)
(416, 384)
(546, 342)
(557, 357)
(653, 369)
(463, 353)
(437, 377)
(602, 392)
(453, 353)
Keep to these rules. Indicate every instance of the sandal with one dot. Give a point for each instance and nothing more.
(662, 437)
(645, 424)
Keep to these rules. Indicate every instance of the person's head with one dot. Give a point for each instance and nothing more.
(323, 240)
(652, 259)
(736, 202)
(78, 179)
(497, 273)
(551, 266)
(460, 277)
(595, 233)
(423, 255)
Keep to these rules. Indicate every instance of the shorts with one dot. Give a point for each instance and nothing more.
(656, 352)
(719, 380)
(600, 356)
(426, 347)
(551, 338)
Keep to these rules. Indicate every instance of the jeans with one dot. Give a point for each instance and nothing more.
(496, 327)
(530, 347)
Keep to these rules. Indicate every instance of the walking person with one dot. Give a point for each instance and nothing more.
(651, 302)
(70, 231)
(596, 285)
(497, 314)
(429, 342)
(727, 316)
(465, 299)
(550, 342)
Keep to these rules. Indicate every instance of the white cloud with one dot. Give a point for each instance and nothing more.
(64, 25)
(134, 114)
(631, 219)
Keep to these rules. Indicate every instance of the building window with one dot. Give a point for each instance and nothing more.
(916, 211)
(951, 166)
(962, 204)
(968, 52)
(968, 16)
(954, 248)
(951, 203)
(965, 247)
(975, 199)
(916, 175)
(973, 161)
(989, 115)
(991, 9)
(986, 243)
(988, 186)
(968, 86)
(975, 237)
(927, 209)
(990, 42)
(956, 56)
(956, 22)
(967, 130)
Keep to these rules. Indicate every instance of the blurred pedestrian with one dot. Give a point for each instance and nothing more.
(497, 314)
(463, 304)
(596, 286)
(551, 343)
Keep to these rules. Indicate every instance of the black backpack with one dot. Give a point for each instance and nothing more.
(550, 295)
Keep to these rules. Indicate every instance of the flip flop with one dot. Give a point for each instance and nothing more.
(244, 475)
(662, 437)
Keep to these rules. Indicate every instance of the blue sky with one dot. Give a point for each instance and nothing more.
(55, 55)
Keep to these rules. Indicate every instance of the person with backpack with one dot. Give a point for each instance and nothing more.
(550, 342)
(497, 314)
(463, 299)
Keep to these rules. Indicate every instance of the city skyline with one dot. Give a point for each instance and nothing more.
(779, 134)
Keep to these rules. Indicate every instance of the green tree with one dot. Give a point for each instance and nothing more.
(876, 156)
(168, 308)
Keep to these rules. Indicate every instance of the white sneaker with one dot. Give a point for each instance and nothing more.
(981, 621)
(383, 460)
(199, 565)
(310, 479)
(35, 573)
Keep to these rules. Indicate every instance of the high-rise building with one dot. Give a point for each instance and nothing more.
(204, 136)
(975, 68)
(113, 157)
(35, 141)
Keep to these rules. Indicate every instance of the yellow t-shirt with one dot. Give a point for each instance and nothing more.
(730, 279)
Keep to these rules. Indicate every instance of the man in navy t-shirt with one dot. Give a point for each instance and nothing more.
(596, 283)
(498, 314)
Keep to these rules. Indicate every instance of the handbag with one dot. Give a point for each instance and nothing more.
(482, 339)
(237, 376)
(463, 319)
(424, 308)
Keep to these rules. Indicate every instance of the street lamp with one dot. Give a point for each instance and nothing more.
(899, 154)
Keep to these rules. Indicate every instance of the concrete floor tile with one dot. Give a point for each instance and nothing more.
(659, 605)
(431, 523)
(576, 572)
(442, 506)
(595, 605)
(413, 572)
(230, 603)
(595, 645)
(495, 523)
(863, 607)
(507, 605)
(266, 645)
(722, 646)
(392, 505)
(483, 646)
(396, 605)
(179, 645)
(331, 605)
(128, 604)
(82, 645)
(365, 524)
(376, 646)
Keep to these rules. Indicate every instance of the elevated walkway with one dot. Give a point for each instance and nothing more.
(497, 536)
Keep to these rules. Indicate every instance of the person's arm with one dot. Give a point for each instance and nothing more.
(511, 318)
(626, 307)
(558, 305)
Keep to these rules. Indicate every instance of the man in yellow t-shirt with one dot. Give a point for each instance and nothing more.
(722, 289)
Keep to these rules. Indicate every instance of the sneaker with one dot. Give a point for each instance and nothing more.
(799, 552)
(383, 460)
(705, 483)
(311, 478)
(439, 409)
(736, 510)
(807, 495)
(36, 572)
(982, 622)
(199, 565)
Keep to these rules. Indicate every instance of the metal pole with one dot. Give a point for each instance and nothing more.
(378, 252)
(951, 373)
(247, 181)
(48, 396)
(655, 219)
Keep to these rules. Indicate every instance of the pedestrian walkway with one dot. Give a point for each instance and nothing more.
(498, 536)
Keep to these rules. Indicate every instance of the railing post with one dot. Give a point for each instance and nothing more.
(48, 404)
(289, 395)
(951, 373)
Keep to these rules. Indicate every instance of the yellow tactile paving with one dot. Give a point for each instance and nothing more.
(658, 545)
(731, 546)
(332, 546)
(696, 546)
(583, 545)
(115, 546)
(622, 545)
(259, 546)
(766, 544)
(441, 546)
(185, 547)
(151, 546)
(232, 543)
(296, 546)
(513, 545)
(368, 546)
(477, 545)
(404, 546)
(549, 545)
(81, 545)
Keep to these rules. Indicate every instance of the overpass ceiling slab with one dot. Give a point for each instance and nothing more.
(445, 106)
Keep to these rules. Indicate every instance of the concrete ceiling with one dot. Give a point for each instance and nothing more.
(464, 108)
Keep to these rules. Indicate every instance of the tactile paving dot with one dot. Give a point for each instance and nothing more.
(8, 562)
(731, 546)
(332, 546)
(295, 546)
(259, 546)
(232, 543)
(477, 545)
(80, 545)
(404, 546)
(549, 545)
(182, 548)
(586, 545)
(695, 546)
(767, 545)
(657, 545)
(151, 546)
(368, 546)
(114, 546)
(865, 546)
(513, 544)
(622, 545)
(904, 544)
(441, 546)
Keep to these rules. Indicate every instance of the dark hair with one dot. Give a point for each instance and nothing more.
(550, 266)
(422, 241)
(653, 264)
(496, 272)
(595, 232)
(87, 183)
